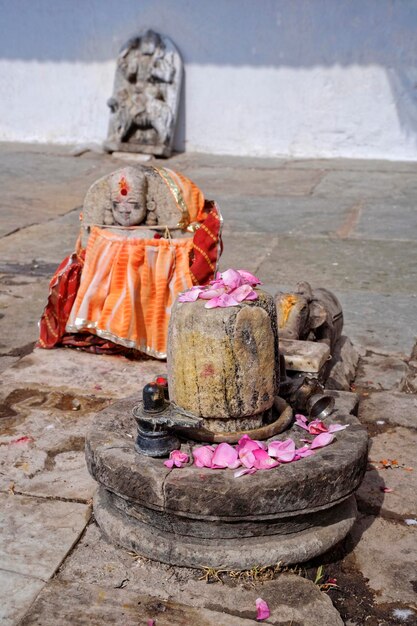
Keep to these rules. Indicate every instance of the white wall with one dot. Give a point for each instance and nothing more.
(305, 78)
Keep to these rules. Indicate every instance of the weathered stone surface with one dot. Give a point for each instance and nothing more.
(290, 597)
(83, 373)
(386, 554)
(36, 534)
(7, 361)
(381, 372)
(20, 314)
(17, 592)
(343, 365)
(219, 530)
(345, 401)
(145, 96)
(304, 356)
(188, 551)
(318, 481)
(390, 407)
(221, 361)
(398, 445)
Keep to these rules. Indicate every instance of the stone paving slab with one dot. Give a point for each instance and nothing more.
(254, 182)
(83, 373)
(60, 604)
(380, 372)
(368, 184)
(386, 553)
(399, 445)
(290, 598)
(37, 534)
(45, 243)
(304, 216)
(39, 186)
(343, 267)
(246, 251)
(17, 592)
(22, 300)
(391, 408)
(42, 443)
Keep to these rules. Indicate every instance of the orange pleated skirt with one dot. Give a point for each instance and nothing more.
(128, 287)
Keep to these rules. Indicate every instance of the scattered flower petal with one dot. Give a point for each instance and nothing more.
(177, 459)
(316, 427)
(232, 279)
(411, 521)
(301, 421)
(284, 451)
(249, 278)
(386, 489)
(203, 456)
(263, 460)
(224, 456)
(20, 441)
(262, 610)
(191, 295)
(333, 428)
(244, 470)
(321, 440)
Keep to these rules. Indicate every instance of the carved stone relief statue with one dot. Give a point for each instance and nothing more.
(145, 96)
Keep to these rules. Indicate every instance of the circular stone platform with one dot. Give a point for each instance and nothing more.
(201, 517)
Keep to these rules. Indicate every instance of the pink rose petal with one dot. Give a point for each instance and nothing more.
(247, 457)
(191, 295)
(212, 292)
(224, 456)
(301, 421)
(333, 428)
(203, 456)
(177, 458)
(262, 610)
(232, 279)
(284, 451)
(244, 470)
(316, 427)
(245, 292)
(303, 452)
(263, 460)
(223, 301)
(246, 443)
(249, 278)
(322, 440)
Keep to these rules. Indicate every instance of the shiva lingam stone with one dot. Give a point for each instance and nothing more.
(197, 516)
(223, 364)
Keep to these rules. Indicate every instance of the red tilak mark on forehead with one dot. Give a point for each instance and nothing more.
(123, 186)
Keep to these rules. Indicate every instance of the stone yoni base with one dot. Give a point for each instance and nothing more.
(230, 553)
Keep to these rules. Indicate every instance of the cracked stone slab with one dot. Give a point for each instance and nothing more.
(380, 372)
(37, 534)
(386, 554)
(22, 299)
(83, 373)
(17, 592)
(389, 407)
(42, 449)
(399, 445)
(61, 603)
(290, 598)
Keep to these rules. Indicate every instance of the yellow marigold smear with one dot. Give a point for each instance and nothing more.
(286, 306)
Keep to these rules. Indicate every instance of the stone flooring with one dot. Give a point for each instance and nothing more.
(350, 226)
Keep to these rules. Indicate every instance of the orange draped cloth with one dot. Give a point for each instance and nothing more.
(127, 289)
